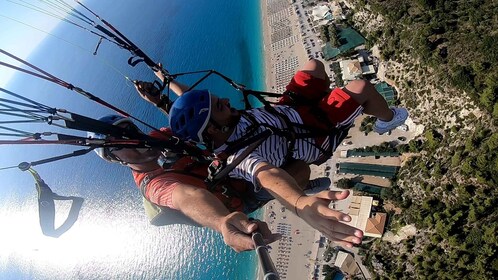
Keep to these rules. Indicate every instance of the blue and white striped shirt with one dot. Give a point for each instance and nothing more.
(274, 149)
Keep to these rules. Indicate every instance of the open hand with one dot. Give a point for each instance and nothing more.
(316, 212)
(148, 91)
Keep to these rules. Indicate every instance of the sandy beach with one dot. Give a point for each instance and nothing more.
(296, 254)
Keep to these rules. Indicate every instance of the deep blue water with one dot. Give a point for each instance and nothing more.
(112, 238)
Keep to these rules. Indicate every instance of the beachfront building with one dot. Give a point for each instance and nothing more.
(353, 153)
(360, 210)
(336, 10)
(375, 225)
(346, 263)
(366, 69)
(351, 70)
(385, 171)
(368, 188)
(344, 153)
(321, 15)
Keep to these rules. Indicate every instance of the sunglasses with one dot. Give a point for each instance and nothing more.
(114, 149)
(131, 127)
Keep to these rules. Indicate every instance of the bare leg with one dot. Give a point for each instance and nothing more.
(316, 69)
(361, 91)
(366, 95)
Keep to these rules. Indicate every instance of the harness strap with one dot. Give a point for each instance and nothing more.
(218, 169)
(291, 132)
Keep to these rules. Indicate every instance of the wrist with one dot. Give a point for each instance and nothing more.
(225, 221)
(296, 207)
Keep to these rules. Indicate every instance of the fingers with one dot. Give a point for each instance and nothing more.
(241, 222)
(331, 222)
(341, 243)
(238, 241)
(139, 86)
(341, 233)
(268, 236)
(136, 84)
(333, 218)
(332, 214)
(147, 91)
(339, 237)
(238, 230)
(319, 204)
(332, 195)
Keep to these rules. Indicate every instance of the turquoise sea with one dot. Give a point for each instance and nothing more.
(112, 238)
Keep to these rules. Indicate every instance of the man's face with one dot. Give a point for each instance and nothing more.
(221, 111)
(135, 155)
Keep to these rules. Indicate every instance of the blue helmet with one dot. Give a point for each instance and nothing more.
(190, 115)
(113, 120)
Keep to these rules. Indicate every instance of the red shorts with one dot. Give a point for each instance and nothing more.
(336, 105)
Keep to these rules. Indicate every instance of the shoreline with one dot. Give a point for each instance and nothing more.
(267, 56)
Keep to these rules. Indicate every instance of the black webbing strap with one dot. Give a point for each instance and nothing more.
(289, 131)
(218, 169)
(46, 207)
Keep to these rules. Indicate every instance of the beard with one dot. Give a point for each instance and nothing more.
(234, 118)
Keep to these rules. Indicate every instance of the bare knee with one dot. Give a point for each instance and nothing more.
(356, 86)
(359, 90)
(315, 68)
(313, 64)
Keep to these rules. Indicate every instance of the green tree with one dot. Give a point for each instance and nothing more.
(344, 183)
(456, 159)
(467, 166)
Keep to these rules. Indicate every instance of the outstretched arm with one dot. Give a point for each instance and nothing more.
(312, 209)
(205, 209)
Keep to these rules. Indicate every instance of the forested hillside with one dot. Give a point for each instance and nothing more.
(458, 39)
(447, 58)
